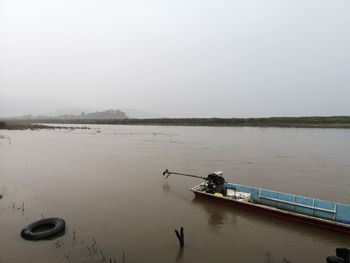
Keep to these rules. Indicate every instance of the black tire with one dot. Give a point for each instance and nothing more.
(53, 226)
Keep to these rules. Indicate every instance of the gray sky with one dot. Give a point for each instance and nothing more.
(183, 58)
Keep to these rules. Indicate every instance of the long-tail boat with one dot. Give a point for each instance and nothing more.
(322, 213)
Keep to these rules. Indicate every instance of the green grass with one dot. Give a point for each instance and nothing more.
(321, 122)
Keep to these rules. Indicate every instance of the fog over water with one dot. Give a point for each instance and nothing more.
(177, 59)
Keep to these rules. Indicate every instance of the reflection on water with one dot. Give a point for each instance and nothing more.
(180, 254)
(217, 214)
(166, 188)
(107, 184)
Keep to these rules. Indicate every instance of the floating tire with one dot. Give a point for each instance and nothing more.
(44, 229)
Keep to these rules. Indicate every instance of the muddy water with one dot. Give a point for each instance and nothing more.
(106, 183)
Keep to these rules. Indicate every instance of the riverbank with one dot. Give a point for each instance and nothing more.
(288, 122)
(26, 125)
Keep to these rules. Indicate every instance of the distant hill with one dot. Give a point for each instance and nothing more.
(68, 111)
(130, 113)
(111, 114)
(107, 114)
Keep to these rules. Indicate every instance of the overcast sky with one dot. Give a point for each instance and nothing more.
(183, 58)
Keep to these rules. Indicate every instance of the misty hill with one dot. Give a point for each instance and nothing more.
(107, 114)
(68, 111)
(130, 113)
(110, 114)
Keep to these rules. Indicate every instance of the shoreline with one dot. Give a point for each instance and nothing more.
(32, 126)
(335, 122)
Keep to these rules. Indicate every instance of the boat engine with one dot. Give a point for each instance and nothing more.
(215, 183)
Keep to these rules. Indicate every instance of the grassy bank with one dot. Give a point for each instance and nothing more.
(29, 125)
(302, 122)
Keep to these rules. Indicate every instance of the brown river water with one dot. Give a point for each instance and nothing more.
(107, 184)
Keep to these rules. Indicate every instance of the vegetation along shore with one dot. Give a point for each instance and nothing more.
(25, 125)
(297, 122)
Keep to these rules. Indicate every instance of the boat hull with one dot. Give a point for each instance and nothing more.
(332, 225)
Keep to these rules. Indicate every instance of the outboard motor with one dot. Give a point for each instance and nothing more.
(215, 183)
